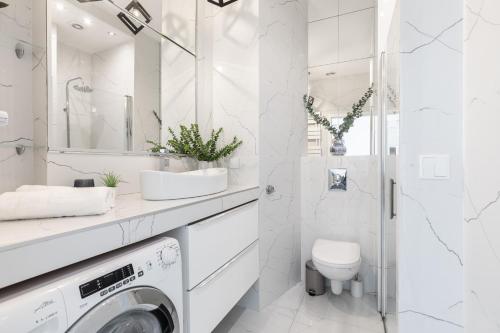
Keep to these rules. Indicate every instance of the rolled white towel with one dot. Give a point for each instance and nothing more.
(32, 202)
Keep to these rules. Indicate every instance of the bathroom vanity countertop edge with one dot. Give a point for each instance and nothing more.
(15, 234)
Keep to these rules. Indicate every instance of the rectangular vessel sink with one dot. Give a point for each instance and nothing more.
(163, 185)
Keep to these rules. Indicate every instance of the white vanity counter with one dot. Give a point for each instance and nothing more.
(34, 247)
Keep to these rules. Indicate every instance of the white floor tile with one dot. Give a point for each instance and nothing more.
(297, 312)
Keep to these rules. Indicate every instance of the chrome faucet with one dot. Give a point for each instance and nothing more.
(164, 159)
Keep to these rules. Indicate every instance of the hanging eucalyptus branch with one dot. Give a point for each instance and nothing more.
(347, 122)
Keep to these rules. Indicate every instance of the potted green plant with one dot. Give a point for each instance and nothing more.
(190, 142)
(111, 180)
(157, 147)
(338, 147)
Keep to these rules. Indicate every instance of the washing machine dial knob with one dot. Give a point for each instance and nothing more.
(168, 256)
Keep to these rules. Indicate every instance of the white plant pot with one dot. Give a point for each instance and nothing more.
(112, 196)
(206, 165)
(182, 164)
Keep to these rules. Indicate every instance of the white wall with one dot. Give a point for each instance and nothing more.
(344, 216)
(72, 63)
(482, 164)
(15, 96)
(253, 74)
(283, 131)
(112, 79)
(63, 169)
(147, 85)
(430, 221)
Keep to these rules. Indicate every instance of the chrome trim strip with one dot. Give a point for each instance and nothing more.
(224, 267)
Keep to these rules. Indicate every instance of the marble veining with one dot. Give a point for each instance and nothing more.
(132, 220)
(430, 247)
(482, 181)
(344, 216)
(282, 141)
(297, 312)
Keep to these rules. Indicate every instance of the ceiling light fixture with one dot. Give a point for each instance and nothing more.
(60, 7)
(222, 3)
(137, 10)
(111, 33)
(87, 21)
(77, 26)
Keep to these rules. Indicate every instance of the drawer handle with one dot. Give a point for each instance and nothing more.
(221, 215)
(224, 267)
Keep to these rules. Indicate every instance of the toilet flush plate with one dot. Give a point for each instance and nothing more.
(337, 179)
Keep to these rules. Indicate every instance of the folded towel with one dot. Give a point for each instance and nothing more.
(32, 202)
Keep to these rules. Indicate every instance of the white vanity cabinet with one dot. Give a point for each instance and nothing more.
(220, 263)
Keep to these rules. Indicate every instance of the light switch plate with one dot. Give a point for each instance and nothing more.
(434, 167)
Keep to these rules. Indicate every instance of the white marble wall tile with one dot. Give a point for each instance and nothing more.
(178, 68)
(235, 75)
(482, 161)
(343, 216)
(39, 91)
(147, 87)
(430, 258)
(63, 169)
(16, 94)
(282, 133)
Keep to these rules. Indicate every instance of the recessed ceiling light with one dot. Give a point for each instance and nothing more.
(60, 7)
(87, 21)
(77, 26)
(111, 33)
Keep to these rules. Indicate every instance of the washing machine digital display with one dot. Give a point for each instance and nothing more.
(106, 280)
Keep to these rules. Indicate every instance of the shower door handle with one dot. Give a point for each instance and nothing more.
(393, 197)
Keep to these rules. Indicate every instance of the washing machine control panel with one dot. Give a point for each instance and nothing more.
(107, 281)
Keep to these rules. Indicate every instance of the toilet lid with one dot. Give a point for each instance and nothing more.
(336, 253)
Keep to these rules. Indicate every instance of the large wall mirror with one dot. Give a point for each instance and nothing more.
(341, 69)
(120, 72)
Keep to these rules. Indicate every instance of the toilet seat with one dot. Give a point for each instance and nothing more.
(336, 254)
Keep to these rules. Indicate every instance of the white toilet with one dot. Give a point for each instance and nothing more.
(336, 261)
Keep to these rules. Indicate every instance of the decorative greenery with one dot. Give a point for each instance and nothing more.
(347, 122)
(110, 179)
(190, 143)
(157, 147)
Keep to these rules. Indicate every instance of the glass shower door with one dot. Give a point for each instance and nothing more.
(389, 124)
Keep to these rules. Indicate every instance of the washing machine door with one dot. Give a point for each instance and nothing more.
(136, 310)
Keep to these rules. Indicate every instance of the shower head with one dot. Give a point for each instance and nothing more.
(83, 89)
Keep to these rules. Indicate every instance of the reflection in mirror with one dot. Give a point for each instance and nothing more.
(112, 88)
(336, 88)
(341, 66)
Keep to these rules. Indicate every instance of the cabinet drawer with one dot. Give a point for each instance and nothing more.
(212, 299)
(213, 242)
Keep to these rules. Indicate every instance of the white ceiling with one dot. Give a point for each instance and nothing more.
(95, 35)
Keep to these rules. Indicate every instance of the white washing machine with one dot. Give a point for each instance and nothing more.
(136, 289)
